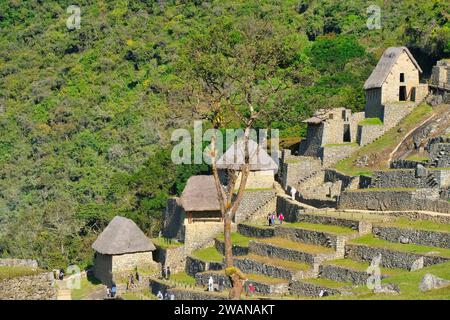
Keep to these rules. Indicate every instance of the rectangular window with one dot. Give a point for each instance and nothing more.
(402, 77)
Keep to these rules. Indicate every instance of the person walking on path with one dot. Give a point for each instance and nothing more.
(269, 219)
(113, 290)
(251, 289)
(272, 218)
(281, 218)
(160, 295)
(168, 273)
(293, 192)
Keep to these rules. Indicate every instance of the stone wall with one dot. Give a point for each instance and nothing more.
(130, 261)
(195, 265)
(295, 168)
(394, 200)
(390, 258)
(258, 179)
(421, 237)
(254, 203)
(174, 216)
(199, 234)
(348, 182)
(19, 262)
(254, 231)
(341, 274)
(369, 133)
(236, 250)
(310, 290)
(440, 154)
(333, 154)
(406, 164)
(175, 258)
(33, 287)
(311, 145)
(289, 208)
(394, 113)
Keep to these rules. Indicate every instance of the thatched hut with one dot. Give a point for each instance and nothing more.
(262, 166)
(122, 246)
(203, 220)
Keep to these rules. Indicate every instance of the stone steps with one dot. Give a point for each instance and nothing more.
(263, 285)
(316, 234)
(285, 249)
(314, 287)
(273, 267)
(394, 255)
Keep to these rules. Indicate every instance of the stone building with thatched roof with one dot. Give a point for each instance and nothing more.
(262, 166)
(122, 246)
(203, 219)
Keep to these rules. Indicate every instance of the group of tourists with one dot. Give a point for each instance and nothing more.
(111, 292)
(161, 296)
(274, 216)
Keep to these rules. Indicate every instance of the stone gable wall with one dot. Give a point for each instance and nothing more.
(333, 154)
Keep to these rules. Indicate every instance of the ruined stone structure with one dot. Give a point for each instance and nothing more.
(122, 246)
(440, 77)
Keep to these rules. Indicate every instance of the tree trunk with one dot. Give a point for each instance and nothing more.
(227, 241)
(238, 287)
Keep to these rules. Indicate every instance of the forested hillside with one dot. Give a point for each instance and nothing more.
(86, 114)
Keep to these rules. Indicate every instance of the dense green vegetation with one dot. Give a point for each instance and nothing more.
(86, 115)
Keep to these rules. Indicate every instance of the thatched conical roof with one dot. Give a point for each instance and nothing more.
(384, 66)
(200, 194)
(259, 159)
(122, 236)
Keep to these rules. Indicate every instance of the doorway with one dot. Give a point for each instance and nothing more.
(347, 134)
(402, 93)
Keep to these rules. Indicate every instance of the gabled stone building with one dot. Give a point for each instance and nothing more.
(394, 79)
(121, 247)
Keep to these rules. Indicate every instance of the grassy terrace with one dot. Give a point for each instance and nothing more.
(345, 144)
(208, 254)
(371, 122)
(352, 216)
(370, 240)
(418, 224)
(257, 277)
(384, 145)
(361, 266)
(237, 239)
(166, 244)
(327, 283)
(7, 272)
(408, 283)
(303, 247)
(291, 265)
(320, 227)
(184, 278)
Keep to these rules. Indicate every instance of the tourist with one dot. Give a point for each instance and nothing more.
(168, 273)
(113, 290)
(138, 276)
(293, 192)
(61, 274)
(159, 295)
(281, 218)
(251, 289)
(164, 272)
(108, 292)
(221, 285)
(172, 296)
(272, 218)
(131, 281)
(211, 284)
(269, 218)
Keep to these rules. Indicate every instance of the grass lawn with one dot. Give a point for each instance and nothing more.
(162, 243)
(88, 285)
(284, 243)
(265, 279)
(184, 278)
(384, 145)
(7, 272)
(320, 227)
(418, 158)
(237, 239)
(371, 241)
(371, 122)
(144, 295)
(419, 224)
(208, 254)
